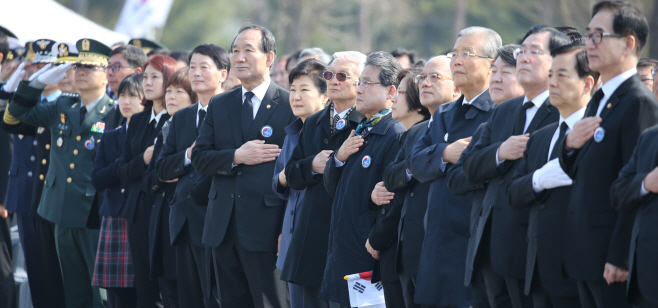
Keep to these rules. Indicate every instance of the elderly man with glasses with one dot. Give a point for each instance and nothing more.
(77, 122)
(441, 268)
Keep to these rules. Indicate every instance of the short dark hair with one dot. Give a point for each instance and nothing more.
(216, 53)
(133, 55)
(573, 34)
(413, 95)
(312, 68)
(628, 20)
(582, 64)
(133, 85)
(556, 39)
(506, 53)
(294, 56)
(182, 79)
(4, 46)
(647, 62)
(420, 63)
(387, 64)
(267, 41)
(400, 52)
(181, 55)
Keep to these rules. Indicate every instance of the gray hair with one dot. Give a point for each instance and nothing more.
(387, 64)
(355, 57)
(315, 51)
(491, 41)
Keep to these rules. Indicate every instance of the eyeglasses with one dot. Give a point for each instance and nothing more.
(88, 67)
(597, 37)
(464, 55)
(365, 83)
(117, 67)
(531, 52)
(402, 92)
(431, 78)
(339, 76)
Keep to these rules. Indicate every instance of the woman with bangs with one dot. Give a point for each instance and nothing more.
(113, 268)
(178, 95)
(137, 153)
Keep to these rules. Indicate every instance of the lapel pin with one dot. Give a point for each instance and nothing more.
(266, 131)
(609, 105)
(341, 124)
(60, 142)
(366, 161)
(268, 106)
(62, 118)
(599, 133)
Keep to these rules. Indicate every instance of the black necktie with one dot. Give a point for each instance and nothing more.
(560, 139)
(247, 113)
(593, 106)
(202, 115)
(463, 109)
(519, 127)
(150, 128)
(333, 125)
(83, 114)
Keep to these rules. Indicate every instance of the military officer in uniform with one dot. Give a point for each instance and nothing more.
(77, 122)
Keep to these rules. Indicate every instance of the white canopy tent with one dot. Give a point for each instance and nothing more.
(69, 26)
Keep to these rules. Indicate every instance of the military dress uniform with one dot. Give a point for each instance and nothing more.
(68, 193)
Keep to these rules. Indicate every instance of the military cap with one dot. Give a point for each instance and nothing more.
(146, 45)
(43, 48)
(8, 33)
(16, 49)
(66, 52)
(29, 52)
(92, 52)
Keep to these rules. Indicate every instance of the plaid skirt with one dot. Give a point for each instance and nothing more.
(114, 266)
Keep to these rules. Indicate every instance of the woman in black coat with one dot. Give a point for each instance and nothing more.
(178, 95)
(137, 152)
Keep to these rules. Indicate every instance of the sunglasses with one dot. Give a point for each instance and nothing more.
(88, 67)
(339, 76)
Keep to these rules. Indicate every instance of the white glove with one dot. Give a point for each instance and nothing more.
(39, 72)
(550, 176)
(15, 79)
(54, 75)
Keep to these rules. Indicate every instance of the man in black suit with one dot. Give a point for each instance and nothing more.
(186, 220)
(542, 185)
(238, 144)
(596, 149)
(500, 243)
(635, 191)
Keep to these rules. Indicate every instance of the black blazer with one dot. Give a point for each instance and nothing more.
(171, 165)
(643, 269)
(459, 185)
(548, 210)
(161, 253)
(508, 226)
(404, 216)
(132, 165)
(243, 191)
(598, 234)
(104, 175)
(307, 253)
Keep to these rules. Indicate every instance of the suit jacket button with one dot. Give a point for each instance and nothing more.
(78, 138)
(189, 197)
(47, 146)
(326, 141)
(72, 166)
(44, 161)
(192, 175)
(41, 177)
(29, 173)
(32, 158)
(34, 143)
(75, 152)
(383, 211)
(427, 162)
(232, 196)
(412, 194)
(239, 172)
(154, 188)
(123, 190)
(541, 207)
(69, 180)
(297, 165)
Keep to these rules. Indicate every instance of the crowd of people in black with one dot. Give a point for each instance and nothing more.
(490, 176)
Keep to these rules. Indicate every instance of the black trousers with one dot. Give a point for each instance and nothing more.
(598, 294)
(393, 294)
(408, 284)
(193, 278)
(37, 237)
(169, 292)
(311, 298)
(542, 299)
(121, 297)
(7, 287)
(148, 291)
(245, 278)
(479, 289)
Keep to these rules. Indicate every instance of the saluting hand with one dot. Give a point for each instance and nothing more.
(582, 131)
(513, 147)
(350, 146)
(256, 152)
(380, 195)
(453, 151)
(320, 161)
